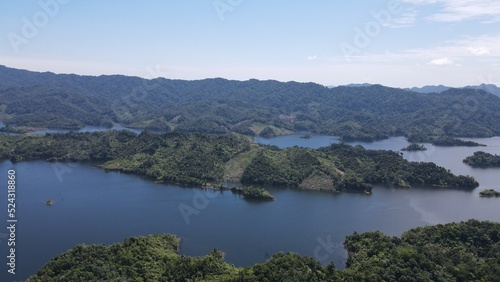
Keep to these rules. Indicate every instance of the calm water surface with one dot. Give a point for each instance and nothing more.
(87, 128)
(92, 206)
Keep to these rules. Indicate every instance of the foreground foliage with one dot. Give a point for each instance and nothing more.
(206, 160)
(466, 251)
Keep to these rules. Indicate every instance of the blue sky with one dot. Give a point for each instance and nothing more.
(397, 43)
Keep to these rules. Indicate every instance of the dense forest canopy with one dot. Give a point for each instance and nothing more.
(483, 159)
(202, 159)
(247, 107)
(466, 251)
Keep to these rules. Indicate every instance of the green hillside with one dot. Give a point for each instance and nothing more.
(207, 160)
(247, 107)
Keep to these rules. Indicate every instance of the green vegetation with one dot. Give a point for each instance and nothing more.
(483, 159)
(250, 107)
(466, 251)
(206, 160)
(267, 132)
(151, 258)
(443, 141)
(414, 147)
(256, 193)
(447, 141)
(388, 167)
(489, 193)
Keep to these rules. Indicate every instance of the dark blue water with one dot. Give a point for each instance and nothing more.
(92, 206)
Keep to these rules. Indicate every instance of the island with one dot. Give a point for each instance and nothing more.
(255, 193)
(306, 136)
(449, 252)
(441, 141)
(489, 193)
(414, 147)
(482, 159)
(449, 141)
(208, 160)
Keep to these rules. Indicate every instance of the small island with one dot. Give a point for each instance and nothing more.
(414, 147)
(488, 193)
(254, 193)
(482, 159)
(49, 202)
(306, 136)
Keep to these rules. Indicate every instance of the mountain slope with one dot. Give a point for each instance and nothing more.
(491, 88)
(219, 105)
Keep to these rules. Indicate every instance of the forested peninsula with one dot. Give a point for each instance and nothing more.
(267, 108)
(466, 251)
(206, 160)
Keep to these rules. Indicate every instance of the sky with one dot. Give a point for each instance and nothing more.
(398, 43)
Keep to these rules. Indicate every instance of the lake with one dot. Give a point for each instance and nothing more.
(93, 206)
(87, 128)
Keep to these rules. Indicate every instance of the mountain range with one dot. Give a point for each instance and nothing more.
(252, 107)
(493, 89)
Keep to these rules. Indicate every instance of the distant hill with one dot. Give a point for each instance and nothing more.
(491, 88)
(249, 107)
(353, 85)
(358, 85)
(429, 89)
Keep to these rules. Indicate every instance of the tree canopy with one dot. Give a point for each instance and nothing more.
(482, 159)
(465, 251)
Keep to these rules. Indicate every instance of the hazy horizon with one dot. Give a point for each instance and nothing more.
(397, 43)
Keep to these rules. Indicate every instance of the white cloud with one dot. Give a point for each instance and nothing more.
(406, 19)
(464, 50)
(312, 57)
(479, 51)
(487, 11)
(441, 62)
(420, 1)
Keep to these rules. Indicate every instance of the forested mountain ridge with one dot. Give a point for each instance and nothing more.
(248, 107)
(207, 160)
(492, 88)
